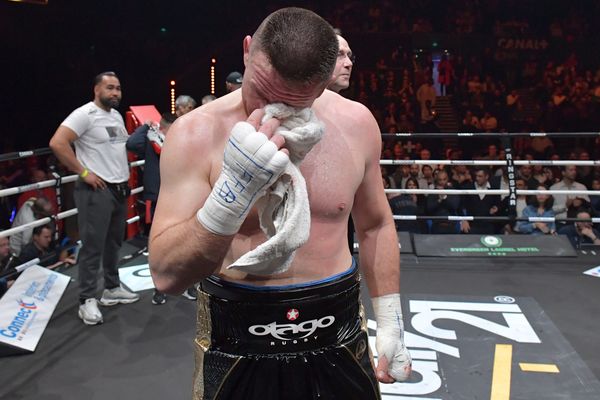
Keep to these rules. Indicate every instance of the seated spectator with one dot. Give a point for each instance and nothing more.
(414, 174)
(407, 204)
(389, 182)
(470, 122)
(427, 174)
(401, 174)
(4, 261)
(32, 210)
(404, 124)
(38, 175)
(480, 205)
(442, 205)
(461, 176)
(488, 122)
(39, 247)
(542, 175)
(492, 153)
(540, 205)
(579, 203)
(512, 98)
(525, 172)
(425, 154)
(398, 151)
(541, 146)
(581, 233)
(562, 202)
(585, 172)
(595, 199)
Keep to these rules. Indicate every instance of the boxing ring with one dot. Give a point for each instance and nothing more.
(473, 325)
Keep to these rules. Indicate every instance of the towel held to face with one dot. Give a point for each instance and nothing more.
(284, 211)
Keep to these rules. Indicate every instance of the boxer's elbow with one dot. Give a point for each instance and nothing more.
(167, 280)
(167, 284)
(174, 278)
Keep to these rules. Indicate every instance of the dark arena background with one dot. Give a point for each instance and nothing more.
(498, 305)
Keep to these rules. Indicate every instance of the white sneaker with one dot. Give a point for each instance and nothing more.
(190, 294)
(117, 295)
(89, 312)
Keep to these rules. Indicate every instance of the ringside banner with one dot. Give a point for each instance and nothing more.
(493, 246)
(28, 305)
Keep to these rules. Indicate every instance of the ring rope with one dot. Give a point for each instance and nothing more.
(490, 218)
(25, 154)
(490, 134)
(49, 183)
(491, 191)
(492, 162)
(59, 216)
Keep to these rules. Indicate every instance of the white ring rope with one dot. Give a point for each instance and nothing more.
(491, 191)
(50, 182)
(490, 218)
(133, 219)
(487, 135)
(59, 216)
(492, 162)
(37, 185)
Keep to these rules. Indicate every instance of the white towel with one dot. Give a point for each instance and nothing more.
(284, 211)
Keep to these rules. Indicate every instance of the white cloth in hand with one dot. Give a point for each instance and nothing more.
(251, 164)
(284, 211)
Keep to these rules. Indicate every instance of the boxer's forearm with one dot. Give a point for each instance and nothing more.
(380, 259)
(184, 254)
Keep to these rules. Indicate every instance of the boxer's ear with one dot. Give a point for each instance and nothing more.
(246, 44)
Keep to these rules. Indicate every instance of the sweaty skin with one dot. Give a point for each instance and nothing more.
(342, 174)
(334, 170)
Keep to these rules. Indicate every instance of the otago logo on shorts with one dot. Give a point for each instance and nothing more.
(491, 241)
(287, 332)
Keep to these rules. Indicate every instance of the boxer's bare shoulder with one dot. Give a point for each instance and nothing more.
(352, 118)
(197, 138)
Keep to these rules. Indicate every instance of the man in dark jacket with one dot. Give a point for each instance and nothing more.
(146, 142)
(480, 205)
(443, 205)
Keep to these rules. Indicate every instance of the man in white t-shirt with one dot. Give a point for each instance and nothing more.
(98, 133)
(562, 202)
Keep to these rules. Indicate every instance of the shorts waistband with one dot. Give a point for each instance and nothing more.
(238, 292)
(245, 321)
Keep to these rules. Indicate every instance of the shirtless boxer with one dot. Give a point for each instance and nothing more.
(299, 334)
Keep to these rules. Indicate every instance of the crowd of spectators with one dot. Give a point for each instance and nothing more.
(491, 89)
(523, 76)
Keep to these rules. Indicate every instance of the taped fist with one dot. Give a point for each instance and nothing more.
(394, 361)
(251, 164)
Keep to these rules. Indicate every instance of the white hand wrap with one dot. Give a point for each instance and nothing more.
(390, 336)
(251, 164)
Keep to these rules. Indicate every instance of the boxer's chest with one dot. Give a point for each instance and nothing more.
(333, 171)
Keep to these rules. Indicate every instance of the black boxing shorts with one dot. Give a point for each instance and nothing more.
(296, 342)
